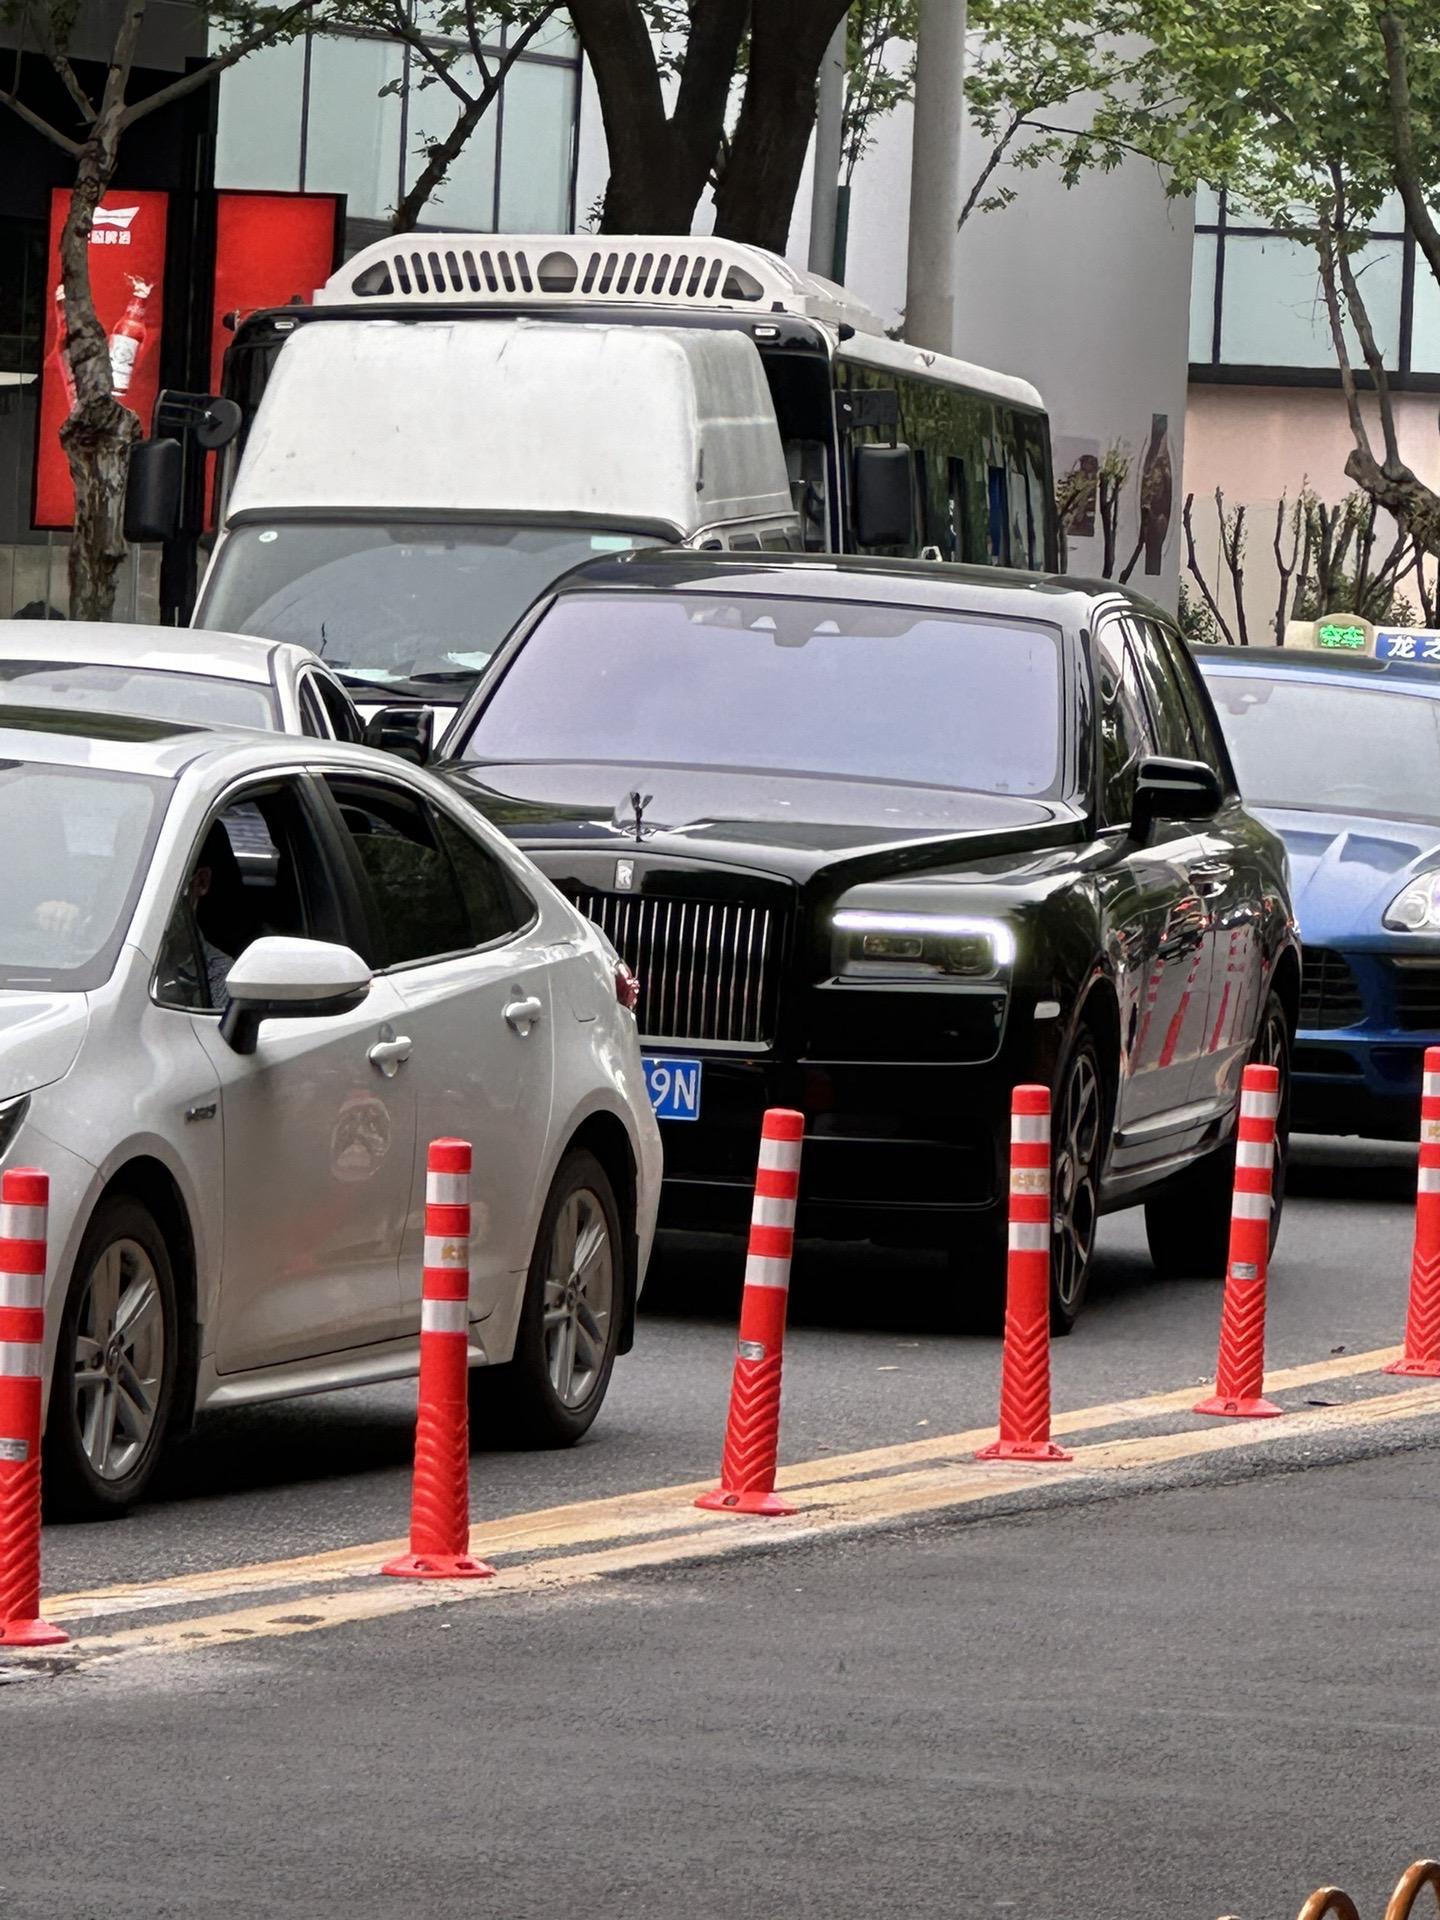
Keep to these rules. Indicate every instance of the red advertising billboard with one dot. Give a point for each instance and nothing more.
(269, 247)
(127, 276)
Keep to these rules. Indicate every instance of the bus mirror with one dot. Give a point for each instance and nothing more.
(152, 490)
(884, 497)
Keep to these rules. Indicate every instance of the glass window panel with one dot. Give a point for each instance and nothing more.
(1425, 326)
(556, 36)
(466, 200)
(1274, 311)
(353, 136)
(1207, 206)
(1202, 300)
(536, 148)
(257, 144)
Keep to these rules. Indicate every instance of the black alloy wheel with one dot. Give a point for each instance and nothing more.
(1077, 1151)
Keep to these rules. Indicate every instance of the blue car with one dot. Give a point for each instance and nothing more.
(1341, 756)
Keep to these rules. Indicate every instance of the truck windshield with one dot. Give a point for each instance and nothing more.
(951, 700)
(427, 602)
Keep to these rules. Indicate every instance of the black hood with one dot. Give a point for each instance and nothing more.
(782, 823)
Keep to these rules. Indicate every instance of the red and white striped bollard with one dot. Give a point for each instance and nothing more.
(752, 1431)
(1240, 1373)
(24, 1210)
(440, 1495)
(1025, 1365)
(1422, 1318)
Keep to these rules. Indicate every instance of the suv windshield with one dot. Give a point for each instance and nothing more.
(76, 843)
(201, 699)
(1335, 748)
(427, 602)
(805, 686)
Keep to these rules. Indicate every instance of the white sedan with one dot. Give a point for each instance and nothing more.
(243, 981)
(205, 679)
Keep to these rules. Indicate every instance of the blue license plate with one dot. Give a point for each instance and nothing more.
(674, 1088)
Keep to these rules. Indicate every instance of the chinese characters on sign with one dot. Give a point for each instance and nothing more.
(1422, 645)
(127, 271)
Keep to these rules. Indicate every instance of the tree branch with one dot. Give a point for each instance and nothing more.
(997, 154)
(1360, 316)
(189, 83)
(1402, 121)
(1325, 243)
(41, 126)
(1187, 521)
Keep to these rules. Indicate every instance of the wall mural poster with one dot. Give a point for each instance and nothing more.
(1077, 474)
(127, 276)
(1157, 493)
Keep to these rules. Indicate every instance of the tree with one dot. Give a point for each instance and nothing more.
(662, 159)
(99, 432)
(466, 33)
(1309, 115)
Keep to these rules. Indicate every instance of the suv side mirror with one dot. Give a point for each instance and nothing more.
(1173, 790)
(884, 497)
(282, 977)
(152, 490)
(407, 732)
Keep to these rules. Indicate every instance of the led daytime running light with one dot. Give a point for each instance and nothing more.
(938, 926)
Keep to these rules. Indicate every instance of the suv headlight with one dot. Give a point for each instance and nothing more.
(883, 946)
(1416, 908)
(12, 1112)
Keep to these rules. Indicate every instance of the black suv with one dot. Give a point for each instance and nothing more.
(882, 840)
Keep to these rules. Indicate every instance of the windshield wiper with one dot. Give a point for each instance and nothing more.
(388, 692)
(449, 676)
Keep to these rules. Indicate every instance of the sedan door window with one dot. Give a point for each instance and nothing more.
(312, 714)
(423, 906)
(1173, 729)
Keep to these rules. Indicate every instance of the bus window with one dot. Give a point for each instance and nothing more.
(999, 547)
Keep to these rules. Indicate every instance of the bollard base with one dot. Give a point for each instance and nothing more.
(1256, 1408)
(769, 1504)
(1023, 1450)
(1420, 1369)
(33, 1633)
(438, 1566)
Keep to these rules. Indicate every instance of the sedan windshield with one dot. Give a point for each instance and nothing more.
(810, 687)
(76, 843)
(196, 698)
(1332, 747)
(389, 603)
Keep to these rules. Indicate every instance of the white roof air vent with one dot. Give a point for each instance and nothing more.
(540, 270)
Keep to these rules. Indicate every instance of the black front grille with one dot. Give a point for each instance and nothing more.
(708, 969)
(1329, 991)
(1417, 996)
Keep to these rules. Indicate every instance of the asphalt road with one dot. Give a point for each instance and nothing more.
(864, 1367)
(1185, 1703)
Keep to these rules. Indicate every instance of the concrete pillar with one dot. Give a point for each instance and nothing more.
(932, 268)
(829, 123)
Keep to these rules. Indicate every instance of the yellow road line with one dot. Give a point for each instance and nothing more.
(656, 1511)
(838, 1506)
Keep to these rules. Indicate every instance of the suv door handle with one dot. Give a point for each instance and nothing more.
(1211, 876)
(522, 1014)
(390, 1055)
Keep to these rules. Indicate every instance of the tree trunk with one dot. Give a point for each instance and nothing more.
(1403, 494)
(659, 166)
(756, 197)
(441, 157)
(99, 433)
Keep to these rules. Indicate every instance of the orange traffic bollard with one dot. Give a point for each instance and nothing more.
(752, 1432)
(24, 1204)
(1240, 1375)
(440, 1497)
(1422, 1321)
(1025, 1365)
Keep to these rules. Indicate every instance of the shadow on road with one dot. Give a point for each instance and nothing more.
(1326, 1169)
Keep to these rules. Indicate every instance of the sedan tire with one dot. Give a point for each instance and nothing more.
(1188, 1225)
(116, 1364)
(550, 1392)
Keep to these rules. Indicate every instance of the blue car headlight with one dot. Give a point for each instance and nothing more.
(12, 1112)
(1416, 909)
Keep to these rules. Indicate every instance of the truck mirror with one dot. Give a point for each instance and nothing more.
(884, 497)
(152, 490)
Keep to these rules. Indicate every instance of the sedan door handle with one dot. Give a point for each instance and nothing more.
(522, 1014)
(390, 1055)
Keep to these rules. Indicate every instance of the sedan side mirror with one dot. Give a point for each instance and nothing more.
(407, 732)
(152, 490)
(283, 977)
(1173, 790)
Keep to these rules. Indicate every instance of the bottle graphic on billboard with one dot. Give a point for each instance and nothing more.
(59, 355)
(128, 338)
